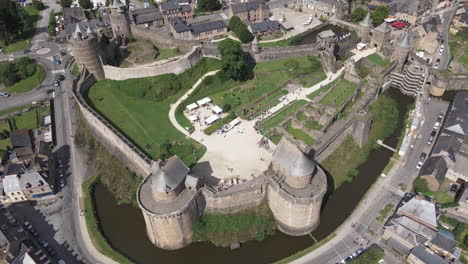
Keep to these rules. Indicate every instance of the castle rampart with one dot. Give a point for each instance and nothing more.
(177, 67)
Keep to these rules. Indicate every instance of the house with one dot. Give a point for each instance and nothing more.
(420, 210)
(426, 35)
(461, 16)
(422, 255)
(72, 15)
(149, 16)
(176, 8)
(181, 30)
(433, 172)
(44, 150)
(254, 11)
(327, 8)
(444, 246)
(452, 144)
(26, 186)
(20, 138)
(264, 27)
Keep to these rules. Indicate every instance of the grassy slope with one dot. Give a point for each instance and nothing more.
(375, 58)
(146, 121)
(282, 115)
(340, 93)
(29, 83)
(342, 163)
(27, 120)
(27, 36)
(167, 53)
(300, 135)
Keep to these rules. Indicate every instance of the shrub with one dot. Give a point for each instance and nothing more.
(226, 107)
(420, 185)
(52, 24)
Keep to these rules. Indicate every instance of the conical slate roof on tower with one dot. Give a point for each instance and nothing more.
(367, 21)
(405, 42)
(77, 33)
(384, 27)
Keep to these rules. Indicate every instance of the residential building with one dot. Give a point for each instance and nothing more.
(264, 28)
(252, 12)
(422, 255)
(149, 16)
(20, 138)
(445, 246)
(426, 35)
(72, 15)
(181, 30)
(26, 186)
(433, 172)
(420, 210)
(327, 8)
(176, 8)
(461, 16)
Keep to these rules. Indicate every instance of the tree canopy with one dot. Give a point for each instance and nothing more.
(232, 59)
(208, 5)
(12, 72)
(379, 15)
(86, 4)
(38, 5)
(358, 14)
(14, 21)
(240, 29)
(66, 3)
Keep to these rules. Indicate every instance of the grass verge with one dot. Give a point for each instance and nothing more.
(375, 58)
(29, 83)
(307, 250)
(384, 212)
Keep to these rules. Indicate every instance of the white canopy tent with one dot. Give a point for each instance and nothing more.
(204, 101)
(192, 106)
(217, 110)
(193, 118)
(210, 120)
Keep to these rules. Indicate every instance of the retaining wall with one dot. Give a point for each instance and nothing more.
(115, 142)
(177, 67)
(277, 53)
(162, 39)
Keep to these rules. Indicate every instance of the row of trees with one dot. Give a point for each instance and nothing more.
(233, 63)
(377, 16)
(14, 71)
(240, 29)
(14, 21)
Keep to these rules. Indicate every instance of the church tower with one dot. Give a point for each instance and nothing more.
(120, 21)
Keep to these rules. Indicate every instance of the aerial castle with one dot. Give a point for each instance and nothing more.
(172, 200)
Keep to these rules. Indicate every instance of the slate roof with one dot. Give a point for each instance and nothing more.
(456, 122)
(326, 34)
(73, 15)
(432, 24)
(447, 145)
(367, 21)
(426, 255)
(246, 7)
(44, 148)
(20, 138)
(435, 166)
(13, 183)
(444, 243)
(208, 26)
(179, 25)
(146, 15)
(174, 7)
(405, 41)
(170, 175)
(94, 24)
(420, 209)
(464, 196)
(405, 6)
(15, 169)
(410, 230)
(264, 26)
(463, 17)
(292, 160)
(23, 151)
(384, 28)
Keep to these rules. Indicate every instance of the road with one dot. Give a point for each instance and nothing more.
(355, 231)
(444, 57)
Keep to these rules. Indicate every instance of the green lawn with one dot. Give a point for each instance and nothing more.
(75, 71)
(371, 256)
(375, 58)
(167, 53)
(454, 46)
(342, 91)
(29, 83)
(144, 117)
(4, 112)
(27, 120)
(464, 58)
(325, 88)
(281, 115)
(383, 214)
(421, 185)
(28, 35)
(4, 126)
(300, 135)
(313, 79)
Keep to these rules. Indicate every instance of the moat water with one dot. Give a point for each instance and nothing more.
(124, 226)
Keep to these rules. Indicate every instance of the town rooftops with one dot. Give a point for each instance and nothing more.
(146, 15)
(457, 120)
(170, 175)
(384, 28)
(94, 24)
(15, 168)
(445, 243)
(264, 26)
(426, 255)
(326, 34)
(246, 7)
(73, 15)
(367, 21)
(435, 166)
(421, 210)
(179, 25)
(208, 26)
(15, 183)
(292, 160)
(403, 226)
(20, 138)
(447, 145)
(464, 196)
(404, 41)
(174, 7)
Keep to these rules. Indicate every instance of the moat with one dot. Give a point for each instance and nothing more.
(124, 226)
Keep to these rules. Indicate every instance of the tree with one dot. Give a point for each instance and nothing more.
(66, 3)
(232, 59)
(358, 14)
(38, 5)
(86, 4)
(14, 21)
(208, 5)
(379, 15)
(240, 29)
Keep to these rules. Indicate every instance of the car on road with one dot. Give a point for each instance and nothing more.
(59, 164)
(436, 66)
(62, 183)
(441, 115)
(60, 77)
(436, 125)
(453, 188)
(43, 242)
(27, 224)
(58, 62)
(419, 165)
(51, 251)
(1, 49)
(4, 94)
(423, 156)
(56, 83)
(430, 140)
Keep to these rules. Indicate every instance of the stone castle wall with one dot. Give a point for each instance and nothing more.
(177, 67)
(115, 142)
(240, 197)
(277, 53)
(161, 39)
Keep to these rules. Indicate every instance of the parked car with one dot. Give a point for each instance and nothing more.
(441, 115)
(4, 94)
(419, 165)
(51, 251)
(436, 125)
(431, 138)
(62, 183)
(34, 232)
(43, 242)
(453, 188)
(56, 83)
(60, 77)
(27, 225)
(58, 62)
(423, 156)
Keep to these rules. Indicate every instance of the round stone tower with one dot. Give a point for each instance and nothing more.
(365, 27)
(401, 51)
(85, 49)
(120, 21)
(295, 190)
(170, 204)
